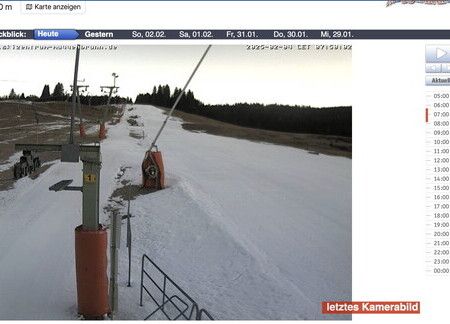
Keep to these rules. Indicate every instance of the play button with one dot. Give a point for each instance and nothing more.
(438, 53)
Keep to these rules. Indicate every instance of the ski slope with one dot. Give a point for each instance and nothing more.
(250, 230)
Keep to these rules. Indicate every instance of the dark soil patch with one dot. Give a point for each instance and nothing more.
(130, 191)
(132, 122)
(136, 134)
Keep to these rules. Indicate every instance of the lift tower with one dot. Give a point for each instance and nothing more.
(110, 90)
(90, 236)
(82, 88)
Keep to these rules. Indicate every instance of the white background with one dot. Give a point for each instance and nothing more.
(388, 123)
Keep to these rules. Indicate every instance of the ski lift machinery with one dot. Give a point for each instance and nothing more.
(90, 236)
(83, 88)
(30, 160)
(152, 165)
(110, 90)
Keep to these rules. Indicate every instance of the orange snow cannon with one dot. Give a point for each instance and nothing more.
(152, 166)
(102, 131)
(91, 267)
(82, 131)
(153, 170)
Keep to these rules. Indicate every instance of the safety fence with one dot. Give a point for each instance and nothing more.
(172, 301)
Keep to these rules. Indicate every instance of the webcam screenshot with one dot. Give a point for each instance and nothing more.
(225, 160)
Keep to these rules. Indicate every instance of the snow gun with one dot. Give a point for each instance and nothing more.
(152, 165)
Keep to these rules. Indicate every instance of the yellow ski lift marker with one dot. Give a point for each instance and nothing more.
(90, 178)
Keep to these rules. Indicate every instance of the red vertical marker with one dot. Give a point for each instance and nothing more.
(426, 115)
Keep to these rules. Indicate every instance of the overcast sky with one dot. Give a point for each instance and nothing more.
(229, 74)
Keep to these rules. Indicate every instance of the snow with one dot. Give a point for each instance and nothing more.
(5, 165)
(249, 230)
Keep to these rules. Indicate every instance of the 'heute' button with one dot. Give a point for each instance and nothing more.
(433, 68)
(55, 34)
(439, 80)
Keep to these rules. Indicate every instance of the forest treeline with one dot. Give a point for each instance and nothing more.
(59, 94)
(297, 119)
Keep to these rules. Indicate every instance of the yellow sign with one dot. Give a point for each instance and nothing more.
(89, 177)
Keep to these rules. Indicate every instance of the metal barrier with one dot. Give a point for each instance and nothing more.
(186, 309)
(204, 311)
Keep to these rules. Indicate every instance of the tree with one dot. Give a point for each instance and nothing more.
(45, 92)
(296, 119)
(159, 96)
(58, 92)
(12, 94)
(165, 96)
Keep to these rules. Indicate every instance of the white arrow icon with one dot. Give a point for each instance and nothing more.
(440, 53)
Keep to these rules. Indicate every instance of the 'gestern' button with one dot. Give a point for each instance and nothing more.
(55, 34)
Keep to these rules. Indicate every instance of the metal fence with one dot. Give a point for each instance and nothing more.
(172, 301)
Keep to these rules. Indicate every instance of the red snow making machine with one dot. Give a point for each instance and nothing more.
(152, 166)
(153, 170)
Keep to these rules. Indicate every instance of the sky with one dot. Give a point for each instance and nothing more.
(229, 73)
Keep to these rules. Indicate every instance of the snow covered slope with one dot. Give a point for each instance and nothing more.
(249, 230)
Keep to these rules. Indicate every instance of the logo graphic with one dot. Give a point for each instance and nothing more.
(427, 2)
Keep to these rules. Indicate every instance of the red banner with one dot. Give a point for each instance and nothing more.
(371, 307)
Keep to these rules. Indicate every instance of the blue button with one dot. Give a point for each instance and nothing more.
(55, 34)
